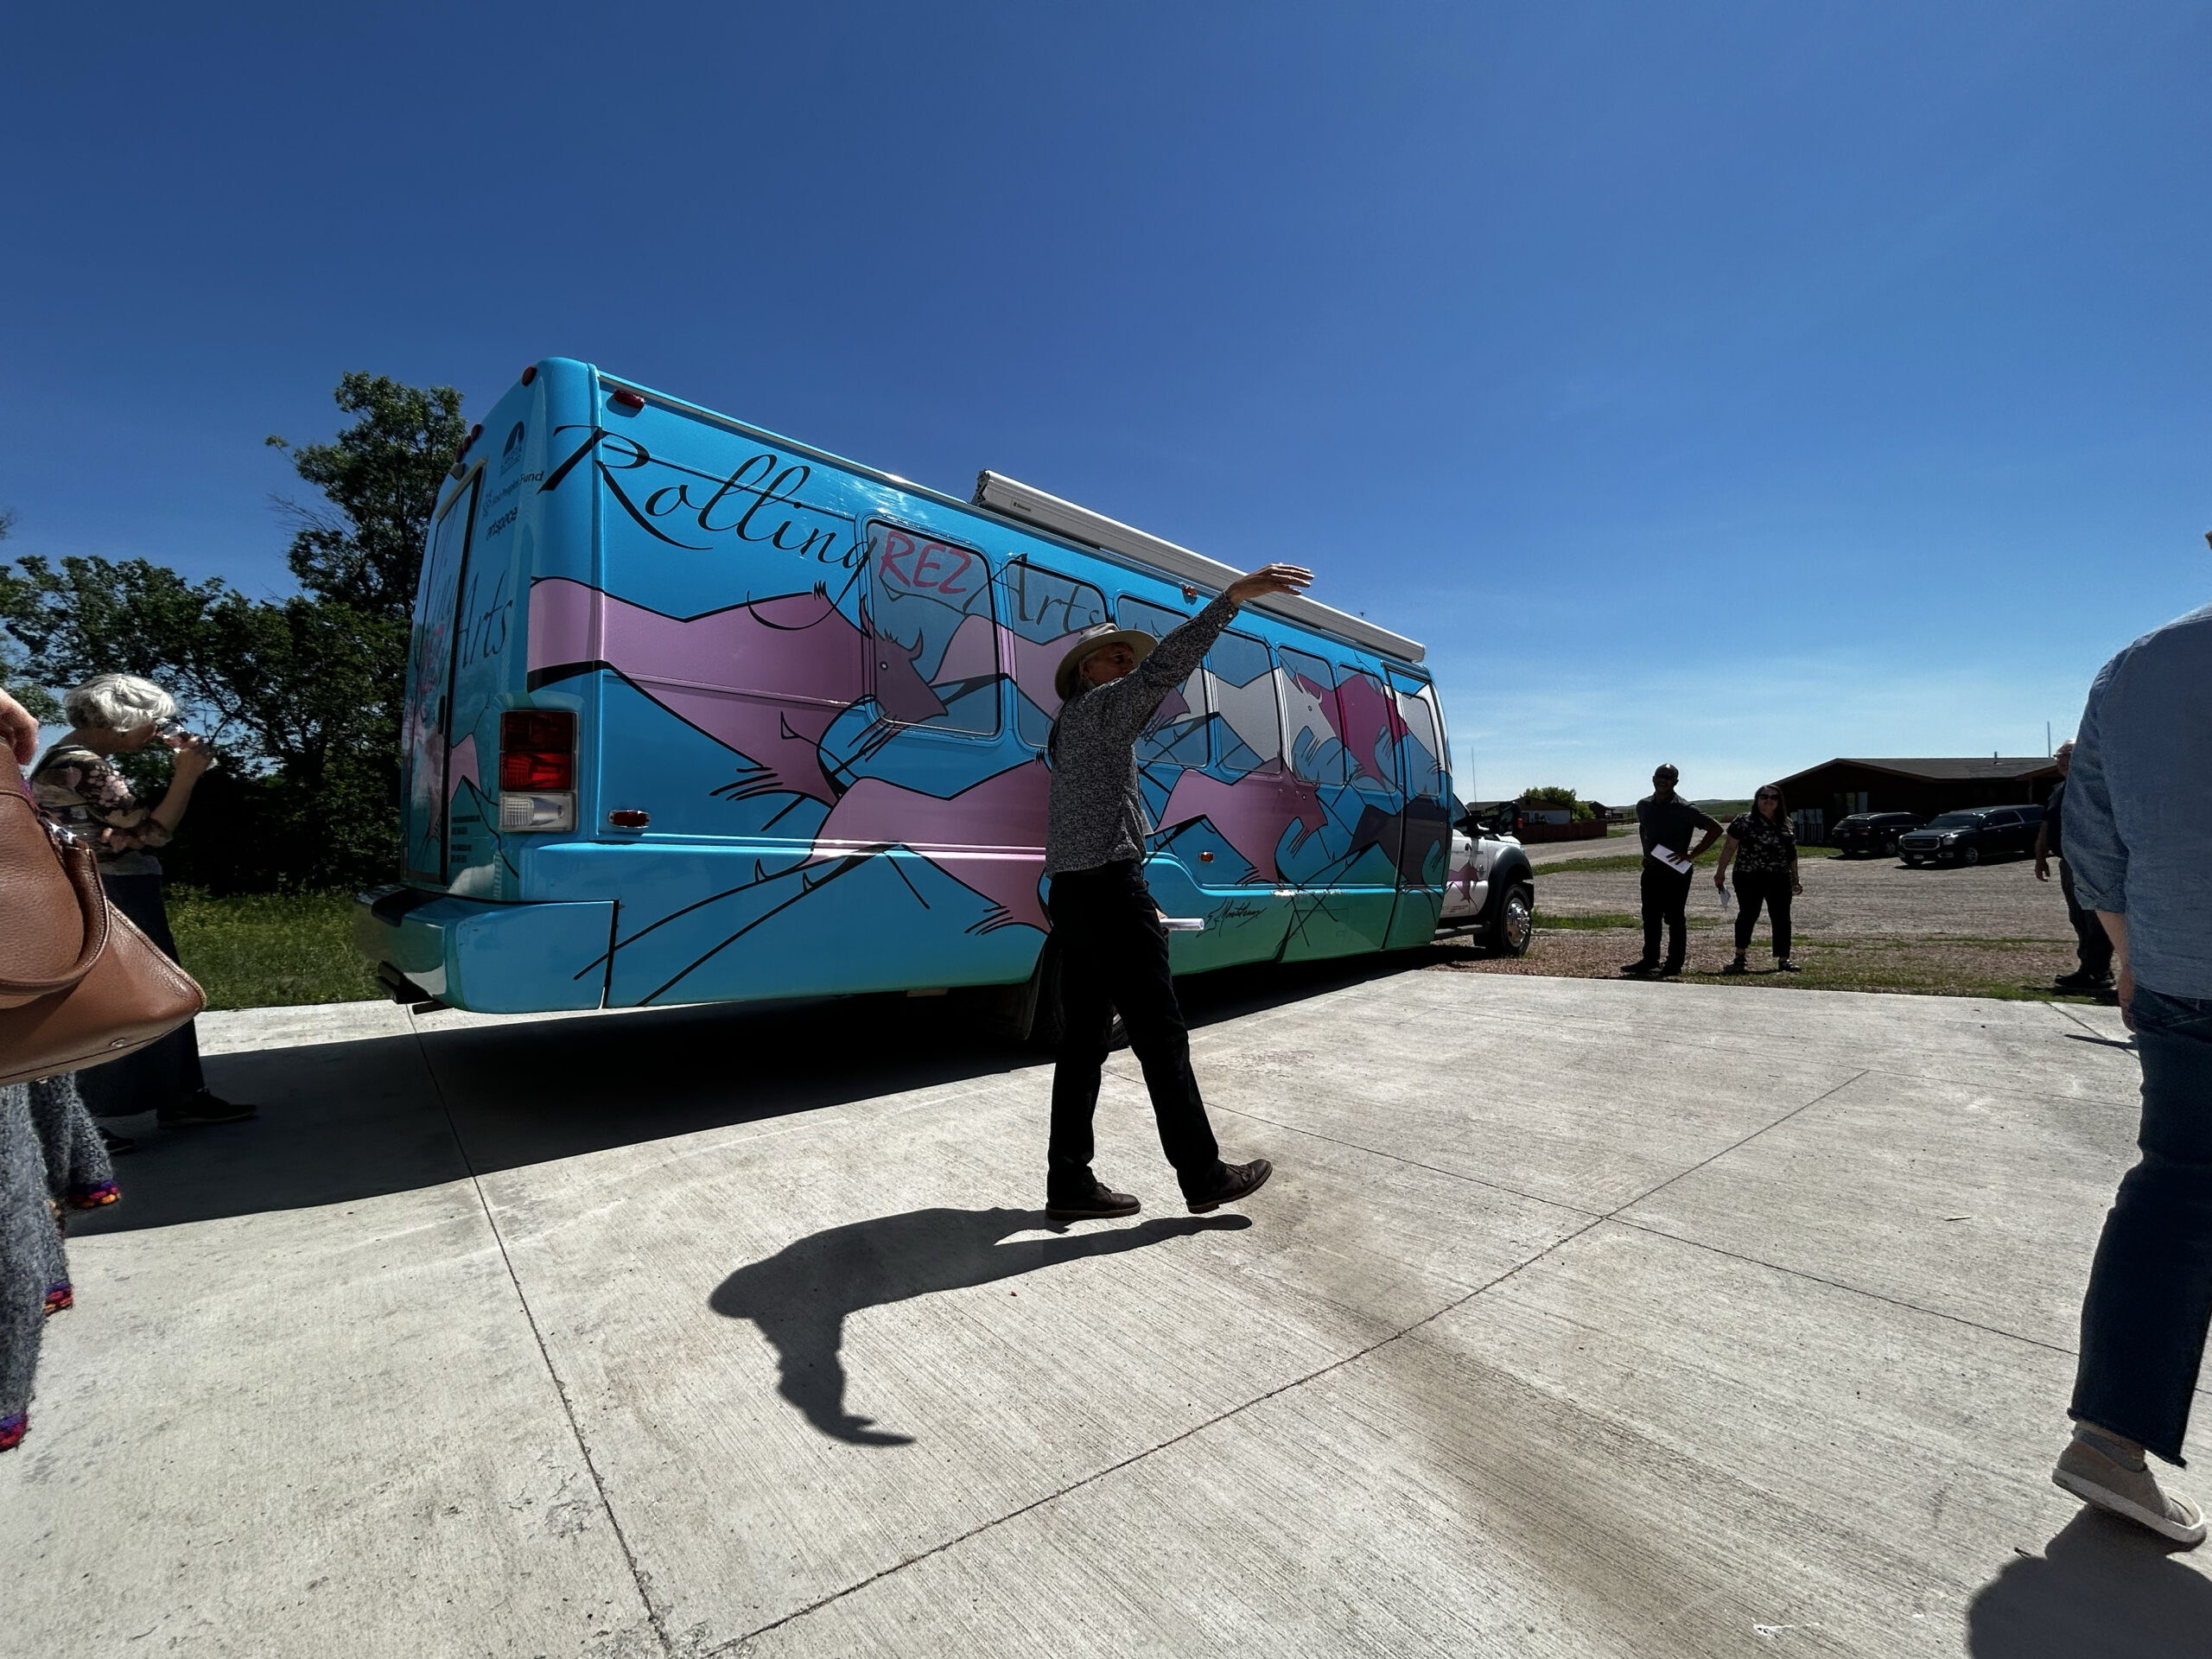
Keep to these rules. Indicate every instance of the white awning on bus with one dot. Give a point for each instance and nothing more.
(1026, 501)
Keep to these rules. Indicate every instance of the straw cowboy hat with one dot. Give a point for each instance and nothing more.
(1097, 638)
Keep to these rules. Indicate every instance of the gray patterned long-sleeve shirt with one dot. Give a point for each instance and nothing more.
(1097, 813)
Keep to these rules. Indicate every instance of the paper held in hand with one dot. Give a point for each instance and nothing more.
(1673, 860)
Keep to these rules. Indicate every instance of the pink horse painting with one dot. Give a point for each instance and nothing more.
(766, 678)
(989, 837)
(1371, 727)
(1252, 814)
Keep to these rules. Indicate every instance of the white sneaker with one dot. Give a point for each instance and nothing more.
(2131, 1494)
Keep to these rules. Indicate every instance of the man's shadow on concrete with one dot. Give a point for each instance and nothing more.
(2101, 1587)
(799, 1296)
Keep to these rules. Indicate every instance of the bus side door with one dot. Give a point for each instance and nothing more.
(1346, 886)
(1425, 823)
(1229, 819)
(427, 718)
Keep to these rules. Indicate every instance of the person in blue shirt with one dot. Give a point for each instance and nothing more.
(2139, 839)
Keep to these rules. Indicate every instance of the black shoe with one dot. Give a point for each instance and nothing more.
(1099, 1203)
(1784, 965)
(1237, 1181)
(1738, 966)
(2081, 980)
(203, 1107)
(1672, 970)
(117, 1145)
(1640, 965)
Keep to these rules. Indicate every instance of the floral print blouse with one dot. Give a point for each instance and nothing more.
(83, 792)
(1764, 846)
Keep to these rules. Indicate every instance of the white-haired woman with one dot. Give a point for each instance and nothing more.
(79, 784)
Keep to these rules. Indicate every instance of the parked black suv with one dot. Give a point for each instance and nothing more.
(1873, 833)
(1969, 838)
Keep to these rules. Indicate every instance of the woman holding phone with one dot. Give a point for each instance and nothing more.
(79, 785)
(1764, 847)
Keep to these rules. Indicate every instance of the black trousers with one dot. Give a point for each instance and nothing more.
(2150, 1296)
(1666, 896)
(2091, 943)
(1768, 887)
(1114, 955)
(163, 1073)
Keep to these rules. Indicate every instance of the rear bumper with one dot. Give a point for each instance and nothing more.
(494, 958)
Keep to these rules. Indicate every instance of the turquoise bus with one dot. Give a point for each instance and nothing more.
(695, 714)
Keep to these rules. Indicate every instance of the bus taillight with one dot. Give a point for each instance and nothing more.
(537, 769)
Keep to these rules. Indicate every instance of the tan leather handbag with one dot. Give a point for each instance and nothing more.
(79, 984)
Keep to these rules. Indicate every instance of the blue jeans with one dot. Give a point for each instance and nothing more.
(2150, 1296)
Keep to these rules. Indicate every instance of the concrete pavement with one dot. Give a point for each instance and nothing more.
(1582, 1318)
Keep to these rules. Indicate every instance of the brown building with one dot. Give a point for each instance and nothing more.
(1820, 795)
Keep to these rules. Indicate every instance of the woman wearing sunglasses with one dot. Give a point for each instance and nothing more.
(1765, 850)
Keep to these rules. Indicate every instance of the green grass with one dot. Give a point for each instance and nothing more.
(1608, 922)
(265, 949)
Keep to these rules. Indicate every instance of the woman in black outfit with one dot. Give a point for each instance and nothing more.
(1764, 850)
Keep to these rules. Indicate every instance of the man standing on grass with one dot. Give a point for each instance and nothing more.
(2138, 838)
(1667, 822)
(2091, 946)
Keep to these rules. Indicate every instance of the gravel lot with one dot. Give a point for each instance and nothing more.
(1855, 896)
(1861, 924)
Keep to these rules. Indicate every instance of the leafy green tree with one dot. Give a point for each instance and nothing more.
(1558, 795)
(380, 479)
(301, 695)
(42, 703)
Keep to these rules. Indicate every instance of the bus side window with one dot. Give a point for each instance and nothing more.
(1371, 730)
(934, 658)
(1317, 752)
(1425, 767)
(1045, 611)
(1177, 735)
(1240, 688)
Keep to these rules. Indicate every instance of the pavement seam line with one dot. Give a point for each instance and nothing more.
(2069, 1012)
(1097, 1475)
(1410, 1163)
(1681, 1175)
(1838, 1284)
(530, 1317)
(735, 1642)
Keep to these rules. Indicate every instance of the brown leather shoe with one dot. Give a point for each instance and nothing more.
(1100, 1203)
(1237, 1181)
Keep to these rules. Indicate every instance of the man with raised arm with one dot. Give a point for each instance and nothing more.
(1113, 950)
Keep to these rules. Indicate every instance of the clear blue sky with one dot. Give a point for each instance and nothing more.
(1735, 384)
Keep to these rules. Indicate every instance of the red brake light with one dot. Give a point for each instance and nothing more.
(530, 374)
(627, 400)
(537, 749)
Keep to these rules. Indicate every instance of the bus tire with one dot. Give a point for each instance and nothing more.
(1513, 926)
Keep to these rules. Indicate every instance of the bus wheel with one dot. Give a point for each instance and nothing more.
(1515, 924)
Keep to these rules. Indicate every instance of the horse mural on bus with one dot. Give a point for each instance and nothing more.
(714, 672)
